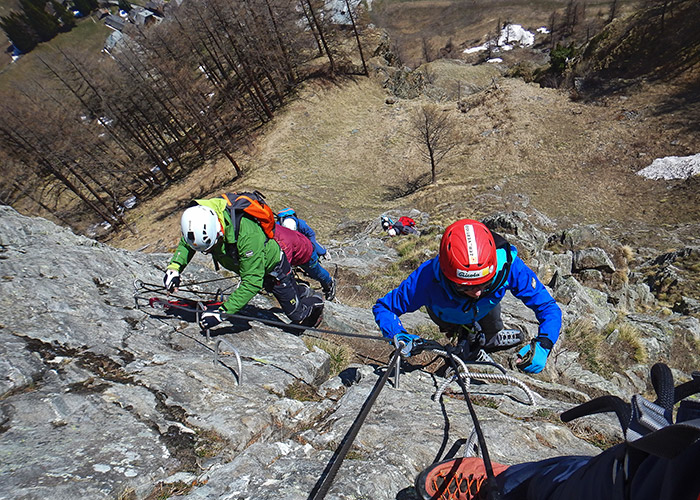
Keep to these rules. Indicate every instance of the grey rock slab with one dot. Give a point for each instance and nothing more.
(64, 443)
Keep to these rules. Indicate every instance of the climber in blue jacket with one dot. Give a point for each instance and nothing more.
(289, 219)
(462, 289)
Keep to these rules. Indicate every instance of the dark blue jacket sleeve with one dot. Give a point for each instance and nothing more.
(523, 283)
(306, 230)
(409, 296)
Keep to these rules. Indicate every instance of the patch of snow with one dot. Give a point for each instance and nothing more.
(495, 60)
(543, 30)
(510, 36)
(514, 33)
(672, 167)
(473, 50)
(130, 202)
(338, 10)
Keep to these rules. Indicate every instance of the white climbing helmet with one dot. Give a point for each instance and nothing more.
(290, 223)
(200, 227)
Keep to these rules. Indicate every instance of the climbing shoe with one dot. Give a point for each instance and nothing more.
(329, 290)
(457, 479)
(482, 357)
(505, 339)
(475, 355)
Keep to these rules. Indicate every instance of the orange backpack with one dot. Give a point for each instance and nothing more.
(251, 205)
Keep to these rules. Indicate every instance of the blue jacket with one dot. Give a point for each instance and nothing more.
(426, 286)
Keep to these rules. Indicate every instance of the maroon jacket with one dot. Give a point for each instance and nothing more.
(297, 247)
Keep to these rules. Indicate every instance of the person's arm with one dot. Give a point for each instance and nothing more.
(182, 256)
(306, 230)
(525, 285)
(251, 254)
(409, 296)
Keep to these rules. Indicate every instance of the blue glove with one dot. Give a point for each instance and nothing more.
(533, 357)
(209, 319)
(408, 339)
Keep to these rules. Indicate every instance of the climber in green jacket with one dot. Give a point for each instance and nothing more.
(257, 259)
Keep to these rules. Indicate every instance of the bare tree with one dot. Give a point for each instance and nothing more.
(427, 50)
(613, 10)
(434, 133)
(313, 18)
(552, 29)
(357, 37)
(169, 98)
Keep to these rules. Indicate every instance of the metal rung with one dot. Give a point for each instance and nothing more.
(218, 354)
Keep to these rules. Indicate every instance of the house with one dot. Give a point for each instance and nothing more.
(142, 17)
(114, 22)
(156, 6)
(112, 41)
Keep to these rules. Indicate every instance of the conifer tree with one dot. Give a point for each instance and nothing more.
(64, 16)
(18, 30)
(44, 24)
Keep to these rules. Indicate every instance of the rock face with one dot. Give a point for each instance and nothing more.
(102, 396)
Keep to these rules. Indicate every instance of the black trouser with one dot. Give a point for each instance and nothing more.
(295, 302)
(481, 335)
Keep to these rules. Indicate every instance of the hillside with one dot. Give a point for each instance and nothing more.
(340, 152)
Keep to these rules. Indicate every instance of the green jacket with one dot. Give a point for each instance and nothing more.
(251, 257)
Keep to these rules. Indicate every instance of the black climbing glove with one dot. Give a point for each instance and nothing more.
(171, 280)
(209, 319)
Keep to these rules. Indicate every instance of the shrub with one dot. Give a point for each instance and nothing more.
(341, 354)
(559, 58)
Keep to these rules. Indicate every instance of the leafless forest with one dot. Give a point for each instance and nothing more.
(96, 129)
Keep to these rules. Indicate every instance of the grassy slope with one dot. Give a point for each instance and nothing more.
(89, 33)
(335, 152)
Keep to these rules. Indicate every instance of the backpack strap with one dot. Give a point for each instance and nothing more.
(502, 275)
(648, 426)
(669, 441)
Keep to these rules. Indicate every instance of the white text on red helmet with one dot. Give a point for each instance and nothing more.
(470, 275)
(472, 250)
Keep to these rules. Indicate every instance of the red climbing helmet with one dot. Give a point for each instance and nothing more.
(468, 253)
